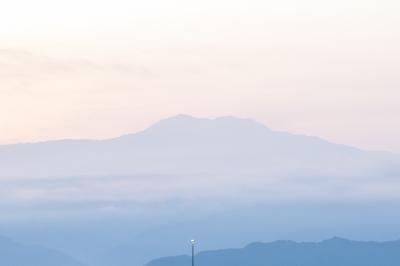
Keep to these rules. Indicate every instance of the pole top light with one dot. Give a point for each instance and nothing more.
(192, 241)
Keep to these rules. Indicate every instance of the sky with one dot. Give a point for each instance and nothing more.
(99, 69)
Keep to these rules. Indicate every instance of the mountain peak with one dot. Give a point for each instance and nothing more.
(182, 121)
(336, 240)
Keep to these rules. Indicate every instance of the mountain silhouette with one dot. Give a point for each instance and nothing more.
(229, 180)
(222, 145)
(332, 252)
(15, 254)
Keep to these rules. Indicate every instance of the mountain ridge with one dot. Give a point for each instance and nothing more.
(220, 146)
(14, 253)
(329, 252)
(183, 169)
(172, 121)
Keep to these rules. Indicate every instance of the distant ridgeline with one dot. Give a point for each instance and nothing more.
(332, 252)
(16, 254)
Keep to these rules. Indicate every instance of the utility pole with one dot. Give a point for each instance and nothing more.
(192, 241)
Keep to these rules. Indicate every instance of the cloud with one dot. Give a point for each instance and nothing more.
(138, 191)
(23, 70)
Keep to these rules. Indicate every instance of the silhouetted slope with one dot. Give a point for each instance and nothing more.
(332, 252)
(222, 145)
(15, 254)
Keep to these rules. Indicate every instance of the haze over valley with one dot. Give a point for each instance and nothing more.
(244, 132)
(228, 181)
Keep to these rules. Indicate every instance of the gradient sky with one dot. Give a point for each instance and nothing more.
(98, 69)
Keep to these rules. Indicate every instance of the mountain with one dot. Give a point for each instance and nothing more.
(228, 181)
(183, 158)
(213, 146)
(331, 252)
(15, 254)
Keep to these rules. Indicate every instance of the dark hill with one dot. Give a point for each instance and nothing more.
(332, 252)
(15, 254)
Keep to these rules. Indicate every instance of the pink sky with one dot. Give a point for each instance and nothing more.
(98, 69)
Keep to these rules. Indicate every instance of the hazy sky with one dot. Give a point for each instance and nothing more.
(98, 69)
